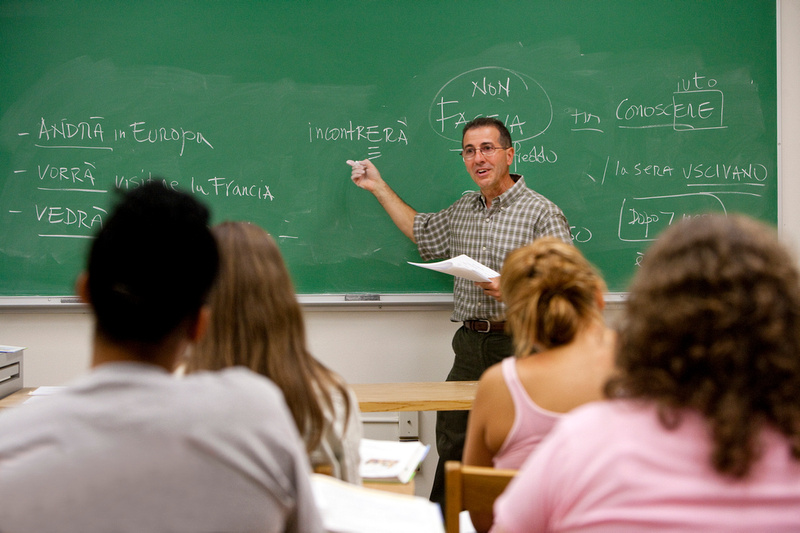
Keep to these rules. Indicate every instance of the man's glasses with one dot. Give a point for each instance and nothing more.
(486, 149)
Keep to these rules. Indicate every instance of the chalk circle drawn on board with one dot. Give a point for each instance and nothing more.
(516, 99)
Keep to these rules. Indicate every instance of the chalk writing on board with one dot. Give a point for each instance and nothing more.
(76, 174)
(580, 234)
(228, 188)
(640, 219)
(536, 154)
(750, 173)
(515, 99)
(696, 105)
(91, 133)
(82, 218)
(58, 170)
(142, 134)
(374, 134)
(67, 130)
(217, 186)
(77, 219)
(585, 121)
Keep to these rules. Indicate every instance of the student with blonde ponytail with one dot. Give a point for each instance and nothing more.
(257, 323)
(563, 353)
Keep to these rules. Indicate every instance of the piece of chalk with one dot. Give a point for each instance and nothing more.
(354, 164)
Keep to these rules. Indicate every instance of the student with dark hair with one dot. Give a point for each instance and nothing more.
(502, 215)
(130, 447)
(702, 428)
(258, 323)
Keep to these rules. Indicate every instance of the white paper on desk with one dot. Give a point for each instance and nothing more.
(462, 266)
(42, 393)
(46, 391)
(345, 507)
(392, 461)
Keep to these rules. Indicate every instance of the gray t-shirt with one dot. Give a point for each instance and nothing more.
(130, 447)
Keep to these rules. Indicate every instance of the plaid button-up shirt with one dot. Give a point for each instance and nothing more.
(516, 218)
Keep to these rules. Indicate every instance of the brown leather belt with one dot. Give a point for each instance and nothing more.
(485, 326)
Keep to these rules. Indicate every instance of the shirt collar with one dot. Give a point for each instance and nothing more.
(508, 197)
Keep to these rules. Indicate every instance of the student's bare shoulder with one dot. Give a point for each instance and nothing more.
(492, 384)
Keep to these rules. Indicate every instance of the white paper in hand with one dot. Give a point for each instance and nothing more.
(462, 266)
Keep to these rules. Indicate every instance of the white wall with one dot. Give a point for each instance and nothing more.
(391, 345)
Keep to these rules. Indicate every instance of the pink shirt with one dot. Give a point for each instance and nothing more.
(611, 467)
(531, 422)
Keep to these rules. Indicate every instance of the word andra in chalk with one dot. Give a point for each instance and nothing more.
(139, 131)
(71, 130)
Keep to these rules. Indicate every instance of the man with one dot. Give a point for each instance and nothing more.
(484, 225)
(131, 447)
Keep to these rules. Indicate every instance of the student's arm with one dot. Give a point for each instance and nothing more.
(487, 429)
(366, 176)
(492, 412)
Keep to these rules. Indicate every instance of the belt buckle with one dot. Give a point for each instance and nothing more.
(488, 326)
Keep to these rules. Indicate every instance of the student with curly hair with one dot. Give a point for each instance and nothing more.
(702, 429)
(563, 355)
(257, 323)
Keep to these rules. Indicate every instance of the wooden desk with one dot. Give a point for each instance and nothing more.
(398, 488)
(417, 396)
(376, 397)
(16, 398)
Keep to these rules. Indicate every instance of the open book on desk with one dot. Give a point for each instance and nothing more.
(347, 508)
(462, 266)
(390, 461)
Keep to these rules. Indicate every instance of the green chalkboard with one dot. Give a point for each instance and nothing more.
(629, 114)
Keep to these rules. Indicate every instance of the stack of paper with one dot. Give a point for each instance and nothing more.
(462, 266)
(390, 461)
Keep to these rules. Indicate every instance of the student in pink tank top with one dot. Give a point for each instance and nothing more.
(563, 355)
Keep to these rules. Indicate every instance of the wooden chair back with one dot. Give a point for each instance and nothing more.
(474, 489)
